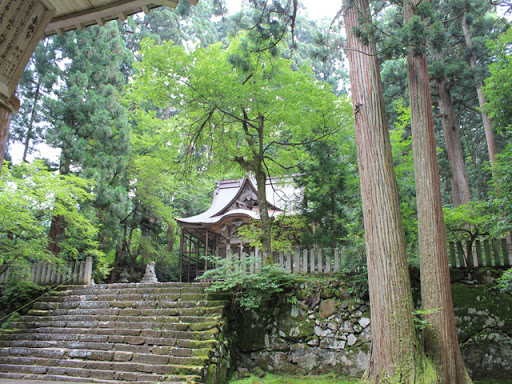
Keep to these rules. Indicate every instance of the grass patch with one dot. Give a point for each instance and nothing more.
(492, 382)
(275, 379)
(329, 379)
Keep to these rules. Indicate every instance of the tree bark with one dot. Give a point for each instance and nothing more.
(31, 123)
(395, 351)
(489, 135)
(459, 179)
(440, 337)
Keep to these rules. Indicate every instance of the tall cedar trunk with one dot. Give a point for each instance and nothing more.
(459, 179)
(32, 120)
(57, 228)
(440, 337)
(489, 135)
(55, 234)
(395, 350)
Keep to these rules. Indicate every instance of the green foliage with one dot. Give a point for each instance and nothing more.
(498, 88)
(18, 292)
(331, 203)
(421, 320)
(247, 290)
(468, 221)
(501, 193)
(30, 196)
(401, 146)
(284, 230)
(279, 379)
(505, 281)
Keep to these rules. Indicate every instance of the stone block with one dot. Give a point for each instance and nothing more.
(122, 356)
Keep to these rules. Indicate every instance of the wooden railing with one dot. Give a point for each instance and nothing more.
(306, 261)
(74, 273)
(480, 253)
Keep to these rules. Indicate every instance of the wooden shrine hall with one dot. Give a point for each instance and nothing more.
(214, 232)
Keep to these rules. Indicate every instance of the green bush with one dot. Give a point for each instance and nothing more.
(505, 281)
(247, 290)
(17, 293)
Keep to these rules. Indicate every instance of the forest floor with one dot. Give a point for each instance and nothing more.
(277, 379)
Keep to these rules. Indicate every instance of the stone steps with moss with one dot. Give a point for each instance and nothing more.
(149, 333)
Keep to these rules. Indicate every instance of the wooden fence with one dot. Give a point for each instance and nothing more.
(312, 261)
(480, 253)
(75, 272)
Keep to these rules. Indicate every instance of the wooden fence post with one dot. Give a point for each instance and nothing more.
(312, 261)
(304, 268)
(488, 257)
(336, 260)
(320, 266)
(496, 249)
(296, 261)
(327, 263)
(504, 251)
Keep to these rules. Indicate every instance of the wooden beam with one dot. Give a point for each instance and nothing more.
(123, 16)
(90, 16)
(145, 8)
(168, 3)
(101, 21)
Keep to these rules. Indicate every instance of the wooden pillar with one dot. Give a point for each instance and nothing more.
(206, 253)
(7, 108)
(182, 243)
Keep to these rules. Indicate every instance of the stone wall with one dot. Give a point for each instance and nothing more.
(322, 328)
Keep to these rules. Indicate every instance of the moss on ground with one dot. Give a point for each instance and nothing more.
(278, 379)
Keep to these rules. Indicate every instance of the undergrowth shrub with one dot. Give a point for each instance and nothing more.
(246, 290)
(505, 281)
(17, 293)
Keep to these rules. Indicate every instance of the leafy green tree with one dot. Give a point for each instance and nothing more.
(249, 109)
(30, 195)
(498, 87)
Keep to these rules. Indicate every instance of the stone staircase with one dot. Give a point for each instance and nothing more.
(118, 333)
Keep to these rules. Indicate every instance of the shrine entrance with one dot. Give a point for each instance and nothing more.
(213, 233)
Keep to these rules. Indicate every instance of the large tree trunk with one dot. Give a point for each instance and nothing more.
(489, 135)
(395, 351)
(459, 179)
(57, 226)
(440, 337)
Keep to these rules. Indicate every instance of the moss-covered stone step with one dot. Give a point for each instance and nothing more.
(122, 378)
(71, 297)
(183, 327)
(162, 304)
(119, 371)
(150, 334)
(143, 363)
(142, 317)
(105, 351)
(112, 311)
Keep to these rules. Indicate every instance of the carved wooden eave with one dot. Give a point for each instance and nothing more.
(77, 14)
